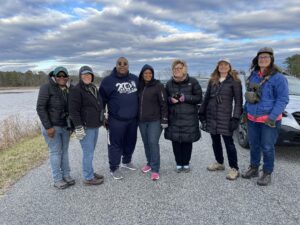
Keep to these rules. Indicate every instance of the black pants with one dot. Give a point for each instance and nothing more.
(182, 152)
(230, 148)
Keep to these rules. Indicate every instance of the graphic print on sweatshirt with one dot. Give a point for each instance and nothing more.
(126, 87)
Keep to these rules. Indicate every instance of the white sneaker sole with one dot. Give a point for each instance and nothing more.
(129, 168)
(116, 178)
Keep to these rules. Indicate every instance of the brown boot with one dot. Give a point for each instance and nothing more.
(93, 181)
(98, 176)
(251, 172)
(265, 179)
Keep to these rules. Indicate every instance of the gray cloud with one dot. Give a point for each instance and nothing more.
(43, 34)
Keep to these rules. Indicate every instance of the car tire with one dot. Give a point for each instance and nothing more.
(242, 136)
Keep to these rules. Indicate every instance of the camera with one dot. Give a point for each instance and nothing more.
(177, 95)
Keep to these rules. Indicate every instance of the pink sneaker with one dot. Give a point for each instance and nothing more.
(154, 176)
(146, 169)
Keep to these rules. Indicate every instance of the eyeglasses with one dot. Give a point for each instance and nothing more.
(264, 57)
(178, 68)
(122, 64)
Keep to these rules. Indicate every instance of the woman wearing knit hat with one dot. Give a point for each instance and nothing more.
(86, 112)
(221, 116)
(266, 99)
(52, 108)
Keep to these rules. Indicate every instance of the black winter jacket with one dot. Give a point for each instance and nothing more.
(52, 105)
(153, 103)
(85, 108)
(219, 115)
(183, 117)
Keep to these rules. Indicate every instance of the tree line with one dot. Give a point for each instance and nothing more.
(34, 79)
(30, 79)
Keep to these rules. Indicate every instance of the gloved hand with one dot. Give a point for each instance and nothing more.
(270, 123)
(51, 132)
(173, 100)
(243, 118)
(234, 123)
(203, 125)
(79, 132)
(164, 125)
(181, 98)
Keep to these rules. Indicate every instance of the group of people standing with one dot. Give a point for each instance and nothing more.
(124, 102)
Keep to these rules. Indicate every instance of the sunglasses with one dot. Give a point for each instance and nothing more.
(61, 74)
(122, 64)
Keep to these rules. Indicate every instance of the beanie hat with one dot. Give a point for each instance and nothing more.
(224, 60)
(86, 70)
(60, 69)
(265, 50)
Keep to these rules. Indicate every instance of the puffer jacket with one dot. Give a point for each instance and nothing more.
(52, 104)
(85, 106)
(274, 96)
(153, 104)
(219, 114)
(183, 117)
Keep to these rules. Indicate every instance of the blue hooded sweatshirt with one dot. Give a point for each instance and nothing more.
(120, 93)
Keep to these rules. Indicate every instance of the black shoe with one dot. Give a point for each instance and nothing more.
(61, 184)
(179, 169)
(70, 181)
(251, 172)
(186, 169)
(265, 179)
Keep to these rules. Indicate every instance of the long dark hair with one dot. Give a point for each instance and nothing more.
(271, 69)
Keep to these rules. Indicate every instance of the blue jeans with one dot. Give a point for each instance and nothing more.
(58, 147)
(88, 144)
(262, 139)
(151, 132)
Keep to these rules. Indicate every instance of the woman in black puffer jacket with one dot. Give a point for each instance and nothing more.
(221, 115)
(52, 108)
(184, 94)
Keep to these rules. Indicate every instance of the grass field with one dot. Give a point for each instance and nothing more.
(15, 161)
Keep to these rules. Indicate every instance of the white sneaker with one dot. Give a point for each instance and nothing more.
(129, 166)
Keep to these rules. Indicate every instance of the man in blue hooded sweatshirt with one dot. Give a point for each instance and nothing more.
(119, 93)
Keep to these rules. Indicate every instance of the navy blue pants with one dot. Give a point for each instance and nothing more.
(122, 140)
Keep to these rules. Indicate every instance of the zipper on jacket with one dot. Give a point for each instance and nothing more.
(141, 112)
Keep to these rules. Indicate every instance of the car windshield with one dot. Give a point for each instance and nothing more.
(203, 81)
(294, 85)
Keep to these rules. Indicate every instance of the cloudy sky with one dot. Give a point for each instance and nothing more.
(42, 34)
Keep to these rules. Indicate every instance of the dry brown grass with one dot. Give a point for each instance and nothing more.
(17, 160)
(13, 130)
(21, 148)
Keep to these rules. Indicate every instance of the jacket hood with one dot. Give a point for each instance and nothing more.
(146, 67)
